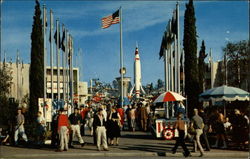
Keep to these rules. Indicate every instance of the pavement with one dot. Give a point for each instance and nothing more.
(131, 144)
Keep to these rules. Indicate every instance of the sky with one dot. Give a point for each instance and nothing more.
(143, 22)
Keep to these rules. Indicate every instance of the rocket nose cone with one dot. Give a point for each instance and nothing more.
(136, 51)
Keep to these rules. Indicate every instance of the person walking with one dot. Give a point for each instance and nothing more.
(75, 121)
(19, 128)
(63, 124)
(220, 131)
(144, 117)
(83, 112)
(180, 126)
(204, 117)
(121, 114)
(132, 118)
(240, 129)
(90, 119)
(114, 131)
(198, 124)
(99, 123)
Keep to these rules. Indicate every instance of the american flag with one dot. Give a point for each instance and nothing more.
(111, 19)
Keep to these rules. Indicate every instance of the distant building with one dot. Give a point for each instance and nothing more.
(20, 83)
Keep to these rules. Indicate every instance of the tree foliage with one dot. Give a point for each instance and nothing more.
(5, 81)
(160, 84)
(7, 106)
(238, 60)
(202, 67)
(190, 49)
(37, 62)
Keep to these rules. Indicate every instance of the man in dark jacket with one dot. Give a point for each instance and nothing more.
(100, 130)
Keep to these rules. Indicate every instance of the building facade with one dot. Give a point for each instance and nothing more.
(20, 83)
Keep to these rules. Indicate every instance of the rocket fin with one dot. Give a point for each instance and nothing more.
(142, 90)
(131, 92)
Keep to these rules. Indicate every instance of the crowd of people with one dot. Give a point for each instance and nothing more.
(203, 123)
(105, 122)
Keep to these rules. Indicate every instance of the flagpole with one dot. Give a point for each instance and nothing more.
(63, 66)
(178, 48)
(51, 55)
(44, 59)
(166, 69)
(171, 68)
(183, 71)
(211, 69)
(121, 57)
(17, 61)
(71, 72)
(66, 68)
(58, 60)
(166, 72)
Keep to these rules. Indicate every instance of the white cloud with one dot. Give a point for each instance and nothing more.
(136, 16)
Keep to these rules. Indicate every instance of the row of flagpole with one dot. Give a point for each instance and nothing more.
(64, 46)
(170, 49)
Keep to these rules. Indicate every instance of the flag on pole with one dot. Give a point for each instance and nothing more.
(55, 37)
(63, 39)
(174, 23)
(52, 25)
(163, 46)
(111, 19)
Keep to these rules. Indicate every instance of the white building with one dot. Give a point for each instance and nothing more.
(20, 82)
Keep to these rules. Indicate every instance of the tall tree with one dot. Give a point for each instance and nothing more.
(202, 67)
(160, 84)
(115, 84)
(36, 66)
(238, 60)
(190, 49)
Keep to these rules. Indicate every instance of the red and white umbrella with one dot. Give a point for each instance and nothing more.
(169, 97)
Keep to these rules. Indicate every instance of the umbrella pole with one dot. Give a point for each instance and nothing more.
(166, 110)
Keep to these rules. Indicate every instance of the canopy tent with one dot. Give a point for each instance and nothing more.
(224, 93)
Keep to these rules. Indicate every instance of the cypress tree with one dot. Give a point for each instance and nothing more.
(190, 48)
(201, 67)
(36, 66)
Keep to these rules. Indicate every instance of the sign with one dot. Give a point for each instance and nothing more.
(45, 109)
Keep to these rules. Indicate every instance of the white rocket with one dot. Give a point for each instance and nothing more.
(137, 76)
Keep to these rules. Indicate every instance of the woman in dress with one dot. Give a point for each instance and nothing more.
(114, 124)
